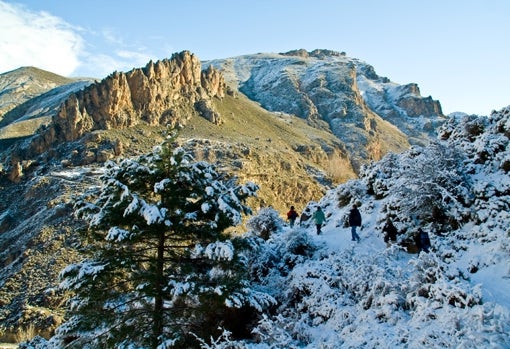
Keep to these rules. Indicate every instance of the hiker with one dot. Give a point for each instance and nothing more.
(422, 241)
(354, 221)
(291, 216)
(304, 216)
(319, 218)
(390, 231)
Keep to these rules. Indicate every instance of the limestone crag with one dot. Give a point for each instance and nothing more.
(161, 93)
(415, 106)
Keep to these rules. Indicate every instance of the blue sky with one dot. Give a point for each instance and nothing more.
(457, 51)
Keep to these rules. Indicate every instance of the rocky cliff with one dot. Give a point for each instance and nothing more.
(161, 93)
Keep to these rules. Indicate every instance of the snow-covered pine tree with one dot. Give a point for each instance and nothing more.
(161, 268)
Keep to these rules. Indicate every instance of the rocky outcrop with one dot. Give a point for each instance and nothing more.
(162, 93)
(403, 106)
(415, 106)
(319, 53)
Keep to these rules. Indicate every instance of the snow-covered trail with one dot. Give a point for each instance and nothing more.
(337, 237)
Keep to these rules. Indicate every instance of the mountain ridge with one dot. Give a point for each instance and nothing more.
(340, 93)
(21, 84)
(340, 105)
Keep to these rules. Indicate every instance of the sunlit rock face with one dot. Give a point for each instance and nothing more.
(161, 93)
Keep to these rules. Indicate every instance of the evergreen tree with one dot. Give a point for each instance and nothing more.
(161, 268)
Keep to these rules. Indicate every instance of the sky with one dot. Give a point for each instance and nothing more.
(455, 50)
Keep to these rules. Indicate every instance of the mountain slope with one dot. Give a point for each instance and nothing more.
(334, 293)
(330, 89)
(23, 84)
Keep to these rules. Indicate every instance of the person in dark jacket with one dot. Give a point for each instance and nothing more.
(354, 221)
(291, 216)
(390, 232)
(423, 241)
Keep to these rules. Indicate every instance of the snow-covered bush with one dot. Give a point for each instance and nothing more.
(423, 186)
(277, 256)
(363, 298)
(266, 222)
(487, 156)
(351, 192)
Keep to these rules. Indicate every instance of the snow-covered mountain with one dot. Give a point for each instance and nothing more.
(358, 105)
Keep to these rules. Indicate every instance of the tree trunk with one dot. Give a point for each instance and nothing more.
(158, 299)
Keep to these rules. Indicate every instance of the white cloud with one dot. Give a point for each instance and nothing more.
(48, 42)
(37, 39)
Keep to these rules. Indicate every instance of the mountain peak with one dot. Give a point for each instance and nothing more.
(317, 53)
(37, 74)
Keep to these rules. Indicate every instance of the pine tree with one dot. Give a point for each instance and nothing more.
(161, 268)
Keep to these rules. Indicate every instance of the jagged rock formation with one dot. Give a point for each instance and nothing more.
(159, 94)
(415, 106)
(165, 93)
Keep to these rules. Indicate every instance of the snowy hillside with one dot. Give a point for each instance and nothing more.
(334, 293)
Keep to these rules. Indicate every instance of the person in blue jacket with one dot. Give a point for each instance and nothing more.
(319, 218)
